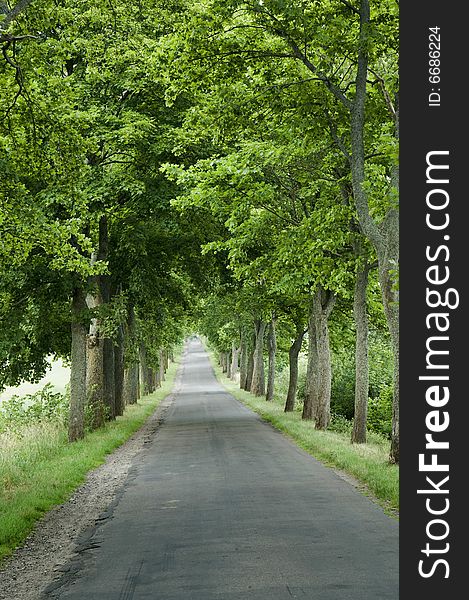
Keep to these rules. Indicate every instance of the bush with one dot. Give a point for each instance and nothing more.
(301, 389)
(381, 364)
(343, 382)
(281, 380)
(340, 424)
(380, 412)
(43, 406)
(343, 375)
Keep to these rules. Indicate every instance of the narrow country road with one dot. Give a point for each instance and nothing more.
(221, 506)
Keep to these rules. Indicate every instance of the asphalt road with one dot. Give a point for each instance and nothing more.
(221, 506)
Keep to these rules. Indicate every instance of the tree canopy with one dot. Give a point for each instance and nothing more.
(227, 167)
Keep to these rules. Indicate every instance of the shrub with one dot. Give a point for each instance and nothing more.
(343, 376)
(381, 364)
(380, 412)
(301, 389)
(340, 424)
(343, 382)
(45, 405)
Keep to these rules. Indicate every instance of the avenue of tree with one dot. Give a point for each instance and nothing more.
(223, 166)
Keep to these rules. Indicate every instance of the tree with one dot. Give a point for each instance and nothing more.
(272, 349)
(293, 353)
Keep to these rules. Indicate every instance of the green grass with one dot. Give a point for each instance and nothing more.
(39, 469)
(368, 463)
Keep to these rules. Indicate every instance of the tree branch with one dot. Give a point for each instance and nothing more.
(387, 97)
(352, 8)
(334, 89)
(276, 214)
(357, 161)
(18, 77)
(12, 14)
(339, 142)
(302, 56)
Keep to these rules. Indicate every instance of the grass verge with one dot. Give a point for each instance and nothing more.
(39, 469)
(367, 463)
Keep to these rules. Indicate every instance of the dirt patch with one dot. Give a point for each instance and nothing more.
(58, 537)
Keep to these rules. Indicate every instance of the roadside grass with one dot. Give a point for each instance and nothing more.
(367, 463)
(39, 469)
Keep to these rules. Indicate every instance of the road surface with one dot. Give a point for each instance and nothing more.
(220, 506)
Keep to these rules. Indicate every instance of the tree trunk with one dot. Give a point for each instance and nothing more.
(136, 375)
(293, 354)
(361, 356)
(95, 363)
(228, 364)
(243, 361)
(109, 379)
(149, 382)
(108, 344)
(131, 391)
(119, 372)
(234, 361)
(98, 398)
(157, 377)
(250, 363)
(144, 386)
(311, 384)
(131, 383)
(146, 372)
(325, 302)
(161, 364)
(95, 378)
(319, 373)
(76, 428)
(258, 376)
(272, 348)
(154, 379)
